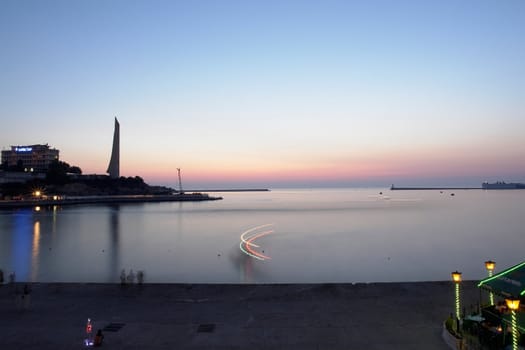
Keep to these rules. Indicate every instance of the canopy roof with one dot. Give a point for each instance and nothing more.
(509, 283)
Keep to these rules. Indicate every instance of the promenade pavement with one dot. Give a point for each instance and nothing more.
(216, 316)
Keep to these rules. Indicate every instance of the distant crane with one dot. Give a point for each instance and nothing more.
(180, 182)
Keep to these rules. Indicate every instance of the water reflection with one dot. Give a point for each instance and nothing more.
(22, 244)
(54, 228)
(114, 233)
(47, 243)
(246, 269)
(251, 270)
(35, 251)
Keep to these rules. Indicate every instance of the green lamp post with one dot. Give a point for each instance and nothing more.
(456, 277)
(490, 266)
(514, 305)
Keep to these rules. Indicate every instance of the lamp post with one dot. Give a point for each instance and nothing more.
(513, 305)
(456, 277)
(490, 266)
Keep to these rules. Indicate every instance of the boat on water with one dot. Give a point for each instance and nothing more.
(502, 185)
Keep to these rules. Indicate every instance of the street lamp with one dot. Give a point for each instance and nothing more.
(456, 277)
(490, 266)
(514, 305)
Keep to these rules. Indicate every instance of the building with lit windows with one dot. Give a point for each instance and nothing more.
(33, 158)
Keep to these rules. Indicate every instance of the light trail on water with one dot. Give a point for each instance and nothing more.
(247, 241)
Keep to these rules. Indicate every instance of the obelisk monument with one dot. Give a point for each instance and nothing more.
(114, 163)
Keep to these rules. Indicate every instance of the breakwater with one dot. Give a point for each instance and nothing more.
(234, 190)
(433, 188)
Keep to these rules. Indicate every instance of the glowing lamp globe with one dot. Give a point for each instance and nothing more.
(490, 265)
(513, 304)
(456, 276)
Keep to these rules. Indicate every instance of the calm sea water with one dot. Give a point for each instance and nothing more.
(336, 235)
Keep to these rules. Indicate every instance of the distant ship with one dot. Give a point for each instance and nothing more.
(501, 185)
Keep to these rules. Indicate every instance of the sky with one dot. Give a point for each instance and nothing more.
(270, 93)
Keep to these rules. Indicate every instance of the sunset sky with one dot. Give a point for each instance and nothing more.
(271, 93)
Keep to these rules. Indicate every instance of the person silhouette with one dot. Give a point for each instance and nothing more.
(131, 277)
(98, 338)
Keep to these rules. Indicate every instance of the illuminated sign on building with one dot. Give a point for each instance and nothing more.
(23, 149)
(34, 158)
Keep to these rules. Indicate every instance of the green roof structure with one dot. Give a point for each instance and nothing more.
(508, 283)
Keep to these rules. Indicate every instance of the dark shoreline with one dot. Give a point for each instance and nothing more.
(193, 197)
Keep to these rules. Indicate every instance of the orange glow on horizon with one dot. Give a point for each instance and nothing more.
(396, 163)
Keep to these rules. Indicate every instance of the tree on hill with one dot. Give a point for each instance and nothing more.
(57, 173)
(75, 170)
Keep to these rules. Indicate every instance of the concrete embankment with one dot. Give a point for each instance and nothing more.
(216, 316)
(6, 204)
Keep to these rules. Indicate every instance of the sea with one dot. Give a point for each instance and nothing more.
(343, 235)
